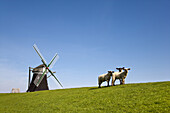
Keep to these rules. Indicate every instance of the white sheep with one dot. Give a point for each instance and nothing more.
(15, 90)
(120, 70)
(120, 75)
(105, 77)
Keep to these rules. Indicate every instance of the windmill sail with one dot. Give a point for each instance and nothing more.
(39, 53)
(40, 77)
(53, 61)
(55, 78)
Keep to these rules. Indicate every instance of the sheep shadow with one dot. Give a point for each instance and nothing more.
(94, 88)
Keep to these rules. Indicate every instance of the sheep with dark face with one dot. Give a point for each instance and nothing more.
(120, 70)
(120, 75)
(105, 77)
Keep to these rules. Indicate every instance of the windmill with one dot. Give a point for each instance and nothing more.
(39, 79)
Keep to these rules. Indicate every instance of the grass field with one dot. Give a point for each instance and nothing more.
(130, 98)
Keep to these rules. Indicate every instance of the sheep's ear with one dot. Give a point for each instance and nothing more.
(128, 68)
(117, 68)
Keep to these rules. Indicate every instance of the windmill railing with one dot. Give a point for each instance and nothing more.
(29, 78)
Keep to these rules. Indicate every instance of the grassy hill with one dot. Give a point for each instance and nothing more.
(131, 98)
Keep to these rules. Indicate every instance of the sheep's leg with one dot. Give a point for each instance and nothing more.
(108, 82)
(99, 85)
(113, 80)
(99, 82)
(123, 81)
(120, 81)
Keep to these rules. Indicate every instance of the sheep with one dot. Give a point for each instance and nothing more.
(105, 77)
(15, 90)
(120, 70)
(120, 75)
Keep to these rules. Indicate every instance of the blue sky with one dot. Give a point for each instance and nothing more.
(90, 36)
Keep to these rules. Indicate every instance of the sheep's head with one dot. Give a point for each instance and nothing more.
(110, 72)
(120, 69)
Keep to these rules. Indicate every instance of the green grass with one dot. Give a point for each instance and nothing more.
(129, 98)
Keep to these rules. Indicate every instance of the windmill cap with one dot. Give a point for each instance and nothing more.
(38, 68)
